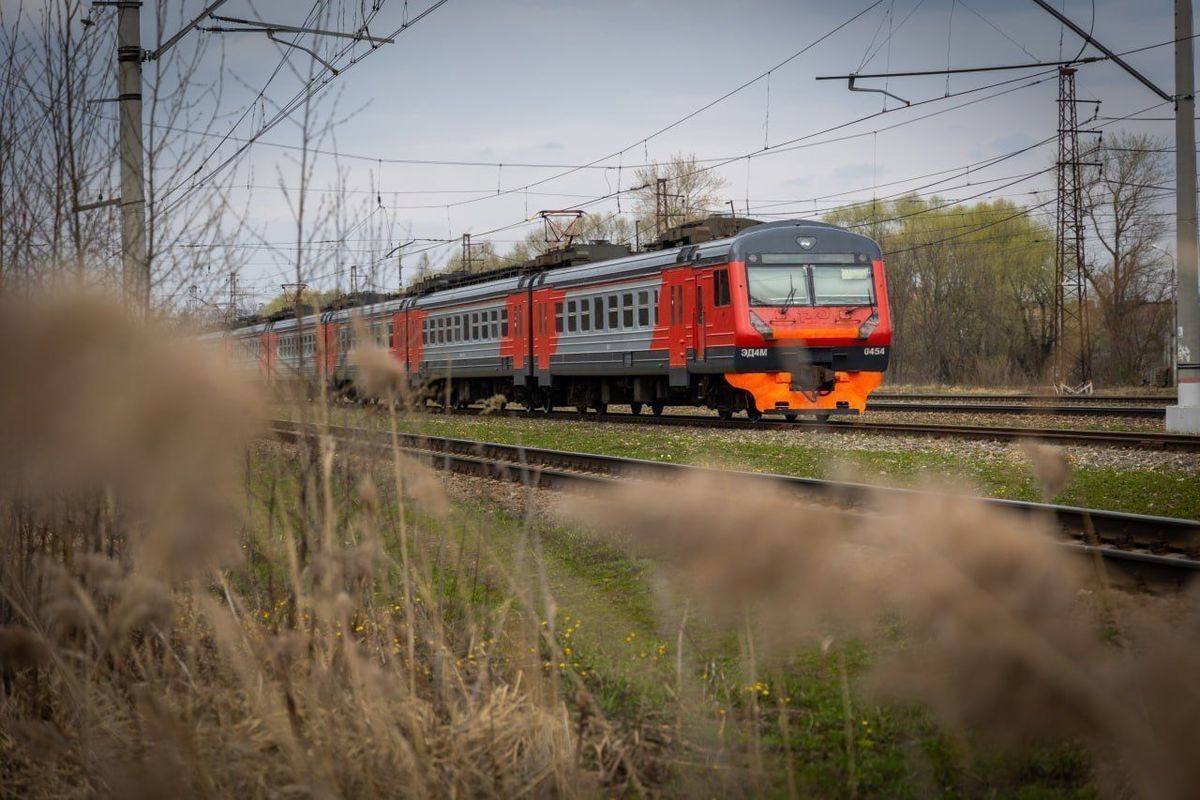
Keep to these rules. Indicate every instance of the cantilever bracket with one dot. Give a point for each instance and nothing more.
(850, 85)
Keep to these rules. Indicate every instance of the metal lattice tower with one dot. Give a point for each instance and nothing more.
(1073, 360)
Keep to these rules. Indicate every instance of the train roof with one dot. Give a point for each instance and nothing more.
(781, 236)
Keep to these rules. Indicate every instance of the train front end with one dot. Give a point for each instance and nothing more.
(813, 330)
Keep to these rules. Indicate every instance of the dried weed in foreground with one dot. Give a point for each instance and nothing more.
(1001, 643)
(95, 407)
(138, 659)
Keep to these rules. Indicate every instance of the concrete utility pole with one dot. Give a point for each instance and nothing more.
(135, 266)
(1185, 417)
(135, 263)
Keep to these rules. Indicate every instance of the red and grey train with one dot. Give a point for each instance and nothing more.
(787, 317)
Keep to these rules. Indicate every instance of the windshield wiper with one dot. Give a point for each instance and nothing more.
(787, 303)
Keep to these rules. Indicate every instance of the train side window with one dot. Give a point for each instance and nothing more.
(654, 309)
(614, 313)
(627, 310)
(390, 333)
(585, 314)
(572, 318)
(494, 318)
(558, 317)
(598, 312)
(721, 287)
(643, 309)
(504, 322)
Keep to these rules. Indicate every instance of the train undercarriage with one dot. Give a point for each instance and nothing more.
(838, 394)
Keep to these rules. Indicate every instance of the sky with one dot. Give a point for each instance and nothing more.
(514, 83)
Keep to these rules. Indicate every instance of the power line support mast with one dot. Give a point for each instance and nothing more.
(1073, 363)
(135, 266)
(1185, 417)
(135, 262)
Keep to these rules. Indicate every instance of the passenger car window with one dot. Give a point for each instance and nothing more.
(627, 310)
(643, 309)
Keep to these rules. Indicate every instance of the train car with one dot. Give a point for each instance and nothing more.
(788, 317)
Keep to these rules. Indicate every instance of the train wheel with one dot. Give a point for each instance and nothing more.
(656, 409)
(724, 413)
(581, 409)
(547, 403)
(601, 408)
(753, 414)
(636, 408)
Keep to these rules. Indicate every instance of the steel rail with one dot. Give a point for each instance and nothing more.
(1152, 412)
(1036, 399)
(1144, 549)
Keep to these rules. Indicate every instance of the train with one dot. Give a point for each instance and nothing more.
(786, 317)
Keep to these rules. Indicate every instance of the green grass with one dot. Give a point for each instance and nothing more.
(1140, 491)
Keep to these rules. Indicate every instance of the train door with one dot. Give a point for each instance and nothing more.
(720, 313)
(698, 336)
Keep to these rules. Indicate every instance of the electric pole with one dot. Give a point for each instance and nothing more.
(135, 267)
(135, 262)
(1185, 417)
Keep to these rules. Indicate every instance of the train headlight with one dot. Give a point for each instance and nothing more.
(764, 330)
(868, 327)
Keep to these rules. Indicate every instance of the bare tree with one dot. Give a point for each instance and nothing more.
(1130, 275)
(692, 192)
(57, 153)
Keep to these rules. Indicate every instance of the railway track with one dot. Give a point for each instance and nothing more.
(962, 407)
(1146, 440)
(1045, 399)
(1141, 551)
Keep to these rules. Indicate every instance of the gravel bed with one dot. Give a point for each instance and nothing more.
(976, 451)
(846, 439)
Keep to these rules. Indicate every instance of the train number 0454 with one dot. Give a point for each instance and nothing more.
(874, 351)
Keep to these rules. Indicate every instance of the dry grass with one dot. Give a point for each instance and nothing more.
(184, 612)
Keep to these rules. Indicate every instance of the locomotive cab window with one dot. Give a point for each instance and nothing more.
(843, 286)
(784, 285)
